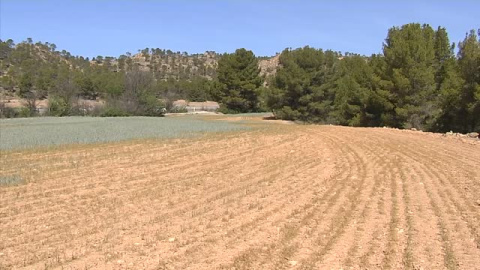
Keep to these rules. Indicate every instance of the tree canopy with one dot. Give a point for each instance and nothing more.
(239, 81)
(416, 83)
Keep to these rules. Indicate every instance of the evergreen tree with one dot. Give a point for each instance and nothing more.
(448, 84)
(443, 55)
(239, 81)
(469, 67)
(410, 55)
(359, 98)
(301, 89)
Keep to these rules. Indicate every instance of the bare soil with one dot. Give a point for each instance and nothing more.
(274, 197)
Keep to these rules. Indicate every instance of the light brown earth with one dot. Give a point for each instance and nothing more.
(274, 197)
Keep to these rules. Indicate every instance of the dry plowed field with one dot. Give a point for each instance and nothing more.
(278, 196)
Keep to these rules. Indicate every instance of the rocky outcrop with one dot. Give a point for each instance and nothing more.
(268, 67)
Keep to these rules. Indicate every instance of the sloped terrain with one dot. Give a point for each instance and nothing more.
(277, 196)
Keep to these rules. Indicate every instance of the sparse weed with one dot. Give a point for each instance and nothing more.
(11, 180)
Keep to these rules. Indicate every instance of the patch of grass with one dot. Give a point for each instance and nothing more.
(11, 180)
(50, 131)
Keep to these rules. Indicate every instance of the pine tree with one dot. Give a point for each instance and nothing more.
(359, 97)
(469, 66)
(239, 81)
(448, 84)
(302, 87)
(409, 53)
(443, 55)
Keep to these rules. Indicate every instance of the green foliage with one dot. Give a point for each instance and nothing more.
(88, 88)
(418, 82)
(196, 89)
(150, 106)
(57, 106)
(24, 112)
(301, 89)
(469, 69)
(26, 84)
(410, 57)
(114, 112)
(239, 82)
(7, 83)
(7, 112)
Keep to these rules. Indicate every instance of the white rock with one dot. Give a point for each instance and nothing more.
(473, 135)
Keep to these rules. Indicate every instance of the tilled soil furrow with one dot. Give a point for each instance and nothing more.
(118, 169)
(365, 230)
(272, 197)
(359, 234)
(288, 239)
(303, 251)
(226, 194)
(120, 176)
(459, 249)
(235, 236)
(331, 231)
(453, 193)
(277, 244)
(164, 215)
(204, 215)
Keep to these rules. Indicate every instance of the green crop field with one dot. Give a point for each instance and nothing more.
(34, 132)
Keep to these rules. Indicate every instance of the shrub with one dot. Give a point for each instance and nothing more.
(57, 106)
(178, 110)
(11, 180)
(224, 109)
(114, 112)
(150, 106)
(25, 112)
(7, 112)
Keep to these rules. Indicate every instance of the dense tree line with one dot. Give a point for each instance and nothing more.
(417, 82)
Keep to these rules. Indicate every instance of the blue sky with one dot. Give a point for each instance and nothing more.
(111, 28)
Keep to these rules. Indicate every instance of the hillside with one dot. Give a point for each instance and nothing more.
(32, 72)
(164, 64)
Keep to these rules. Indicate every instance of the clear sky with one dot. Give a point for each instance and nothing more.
(111, 28)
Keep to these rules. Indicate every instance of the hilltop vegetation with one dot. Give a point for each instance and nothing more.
(129, 84)
(417, 82)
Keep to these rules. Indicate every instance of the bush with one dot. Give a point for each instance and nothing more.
(150, 106)
(25, 112)
(11, 180)
(7, 112)
(178, 110)
(287, 113)
(57, 106)
(225, 110)
(114, 112)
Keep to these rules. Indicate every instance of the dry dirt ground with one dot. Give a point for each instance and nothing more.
(274, 197)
